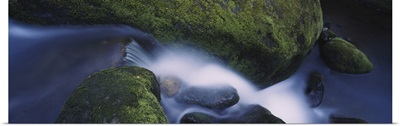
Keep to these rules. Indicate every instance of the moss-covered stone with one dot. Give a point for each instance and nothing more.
(198, 117)
(266, 41)
(342, 56)
(116, 95)
(213, 97)
(346, 120)
(170, 85)
(315, 89)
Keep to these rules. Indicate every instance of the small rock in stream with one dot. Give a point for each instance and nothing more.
(315, 89)
(214, 97)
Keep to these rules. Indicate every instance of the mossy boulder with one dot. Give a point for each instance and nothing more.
(170, 85)
(198, 117)
(213, 97)
(346, 120)
(115, 95)
(265, 41)
(342, 56)
(315, 89)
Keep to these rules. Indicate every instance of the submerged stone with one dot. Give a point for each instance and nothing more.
(170, 85)
(115, 95)
(315, 89)
(198, 117)
(265, 41)
(213, 97)
(346, 120)
(342, 56)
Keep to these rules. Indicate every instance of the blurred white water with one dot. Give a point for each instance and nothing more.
(285, 100)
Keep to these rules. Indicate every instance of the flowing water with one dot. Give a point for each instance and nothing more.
(48, 63)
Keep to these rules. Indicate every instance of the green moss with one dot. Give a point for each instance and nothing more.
(342, 56)
(116, 95)
(265, 41)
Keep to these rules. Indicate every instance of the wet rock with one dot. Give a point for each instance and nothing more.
(116, 95)
(253, 114)
(315, 89)
(213, 97)
(256, 38)
(170, 85)
(198, 117)
(346, 120)
(259, 114)
(342, 56)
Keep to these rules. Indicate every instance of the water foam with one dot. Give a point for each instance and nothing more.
(285, 100)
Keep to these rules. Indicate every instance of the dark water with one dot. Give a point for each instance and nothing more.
(367, 96)
(47, 63)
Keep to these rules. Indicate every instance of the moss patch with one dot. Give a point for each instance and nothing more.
(265, 41)
(342, 56)
(116, 95)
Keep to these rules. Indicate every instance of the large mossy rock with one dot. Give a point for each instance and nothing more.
(116, 95)
(315, 89)
(342, 56)
(213, 97)
(265, 40)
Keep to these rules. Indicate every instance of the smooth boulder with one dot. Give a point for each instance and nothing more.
(213, 97)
